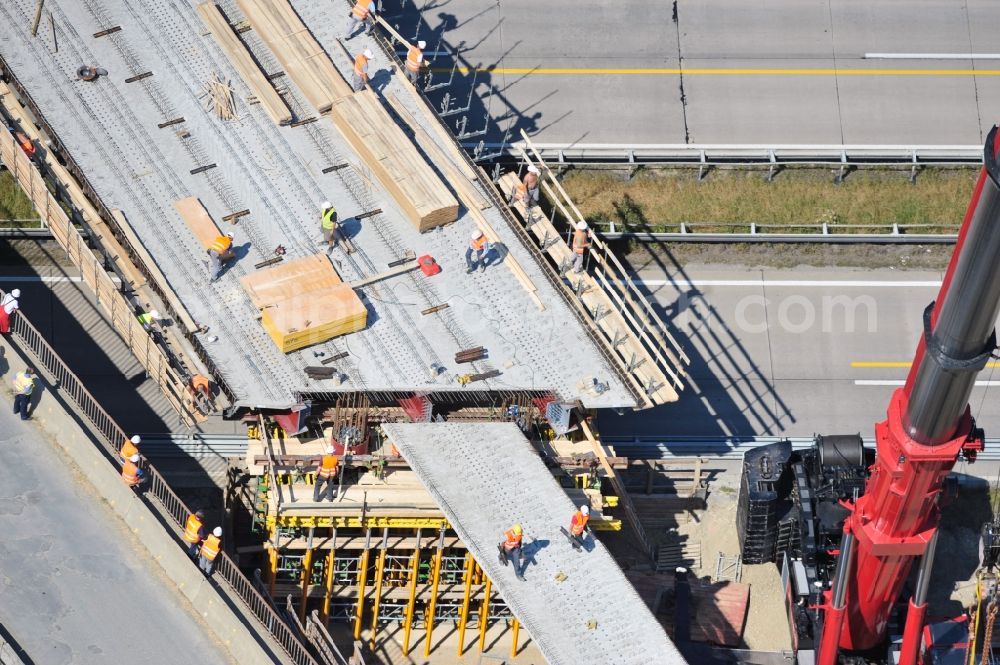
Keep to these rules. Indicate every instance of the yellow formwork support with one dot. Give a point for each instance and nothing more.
(435, 579)
(411, 602)
(484, 614)
(272, 569)
(303, 521)
(515, 627)
(328, 583)
(379, 574)
(362, 581)
(306, 573)
(463, 617)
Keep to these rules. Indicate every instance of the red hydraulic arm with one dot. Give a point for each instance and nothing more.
(928, 426)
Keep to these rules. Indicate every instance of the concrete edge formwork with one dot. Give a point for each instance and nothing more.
(57, 423)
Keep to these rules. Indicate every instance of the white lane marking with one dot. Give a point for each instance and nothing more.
(932, 56)
(893, 382)
(786, 282)
(37, 278)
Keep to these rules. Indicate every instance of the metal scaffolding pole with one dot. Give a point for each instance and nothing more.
(362, 581)
(435, 579)
(411, 602)
(379, 575)
(484, 614)
(463, 617)
(331, 560)
(306, 574)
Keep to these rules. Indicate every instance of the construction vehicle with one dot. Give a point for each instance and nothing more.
(848, 524)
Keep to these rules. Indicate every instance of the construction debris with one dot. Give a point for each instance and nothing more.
(470, 355)
(219, 98)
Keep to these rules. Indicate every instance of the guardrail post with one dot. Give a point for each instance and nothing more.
(702, 165)
(774, 163)
(913, 168)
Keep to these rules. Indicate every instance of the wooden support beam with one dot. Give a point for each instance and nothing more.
(109, 31)
(236, 215)
(38, 17)
(138, 77)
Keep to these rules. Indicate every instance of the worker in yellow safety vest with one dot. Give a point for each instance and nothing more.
(510, 549)
(478, 253)
(129, 448)
(326, 473)
(24, 386)
(194, 532)
(359, 76)
(329, 224)
(219, 251)
(415, 62)
(131, 473)
(581, 241)
(360, 13)
(209, 550)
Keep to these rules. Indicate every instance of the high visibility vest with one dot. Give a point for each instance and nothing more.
(128, 449)
(329, 218)
(361, 9)
(328, 468)
(200, 382)
(579, 241)
(130, 474)
(360, 65)
(221, 245)
(578, 523)
(479, 243)
(191, 530)
(24, 384)
(26, 145)
(210, 548)
(513, 540)
(414, 58)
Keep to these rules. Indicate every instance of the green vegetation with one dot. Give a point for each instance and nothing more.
(13, 202)
(868, 201)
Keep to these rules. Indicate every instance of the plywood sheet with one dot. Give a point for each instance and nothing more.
(310, 318)
(289, 279)
(198, 220)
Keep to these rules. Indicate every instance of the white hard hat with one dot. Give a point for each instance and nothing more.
(585, 510)
(230, 235)
(329, 450)
(217, 532)
(369, 54)
(153, 313)
(421, 44)
(532, 169)
(476, 234)
(136, 439)
(16, 293)
(581, 226)
(327, 205)
(134, 459)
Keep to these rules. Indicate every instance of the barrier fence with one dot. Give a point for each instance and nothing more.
(109, 435)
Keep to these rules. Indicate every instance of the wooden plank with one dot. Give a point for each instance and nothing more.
(289, 279)
(244, 63)
(202, 225)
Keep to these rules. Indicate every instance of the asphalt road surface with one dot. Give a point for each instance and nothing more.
(792, 352)
(72, 587)
(715, 71)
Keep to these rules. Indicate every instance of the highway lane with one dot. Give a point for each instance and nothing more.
(73, 588)
(791, 352)
(779, 71)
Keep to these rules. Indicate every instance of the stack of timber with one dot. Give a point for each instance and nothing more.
(394, 160)
(304, 60)
(198, 220)
(244, 63)
(304, 302)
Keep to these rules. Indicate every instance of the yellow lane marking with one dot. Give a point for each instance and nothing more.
(882, 364)
(571, 71)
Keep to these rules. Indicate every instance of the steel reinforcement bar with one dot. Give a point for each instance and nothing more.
(109, 434)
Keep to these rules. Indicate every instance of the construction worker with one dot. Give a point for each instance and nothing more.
(360, 13)
(219, 251)
(27, 145)
(148, 319)
(194, 532)
(478, 252)
(326, 473)
(580, 243)
(131, 473)
(359, 77)
(415, 62)
(8, 305)
(578, 525)
(510, 549)
(209, 550)
(129, 448)
(24, 386)
(329, 224)
(530, 183)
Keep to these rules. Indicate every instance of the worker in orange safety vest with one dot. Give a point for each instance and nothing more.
(129, 448)
(360, 13)
(219, 251)
(510, 549)
(581, 241)
(194, 532)
(131, 473)
(415, 62)
(359, 75)
(326, 473)
(478, 253)
(578, 526)
(210, 550)
(27, 145)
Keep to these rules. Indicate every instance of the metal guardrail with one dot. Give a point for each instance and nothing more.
(902, 234)
(109, 435)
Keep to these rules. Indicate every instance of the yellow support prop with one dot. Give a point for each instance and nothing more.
(362, 580)
(379, 574)
(331, 558)
(272, 571)
(484, 615)
(463, 617)
(411, 603)
(435, 579)
(514, 629)
(306, 571)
